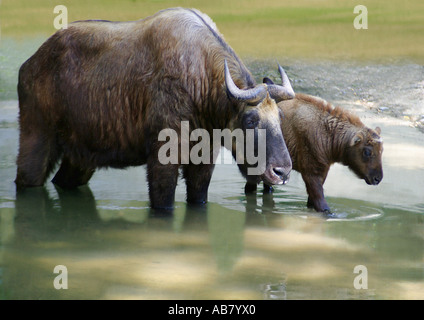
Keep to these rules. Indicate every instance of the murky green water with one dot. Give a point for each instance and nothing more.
(236, 247)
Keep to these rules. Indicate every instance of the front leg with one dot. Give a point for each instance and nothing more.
(250, 187)
(268, 189)
(314, 186)
(198, 178)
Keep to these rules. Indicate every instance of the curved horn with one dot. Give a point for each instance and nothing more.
(252, 96)
(283, 92)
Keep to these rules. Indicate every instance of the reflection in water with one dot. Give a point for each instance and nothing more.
(74, 231)
(122, 249)
(275, 291)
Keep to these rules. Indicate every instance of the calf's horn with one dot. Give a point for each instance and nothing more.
(283, 92)
(252, 96)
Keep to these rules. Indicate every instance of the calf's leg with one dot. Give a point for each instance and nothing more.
(314, 187)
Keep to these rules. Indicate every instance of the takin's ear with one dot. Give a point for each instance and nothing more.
(267, 81)
(355, 140)
(378, 130)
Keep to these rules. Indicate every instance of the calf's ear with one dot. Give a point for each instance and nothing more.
(267, 81)
(355, 140)
(378, 130)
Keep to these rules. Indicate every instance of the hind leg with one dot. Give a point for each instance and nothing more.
(71, 175)
(162, 181)
(37, 157)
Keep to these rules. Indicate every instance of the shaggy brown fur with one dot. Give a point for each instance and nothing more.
(98, 93)
(318, 134)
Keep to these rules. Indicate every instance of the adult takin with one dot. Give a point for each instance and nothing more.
(98, 93)
(317, 135)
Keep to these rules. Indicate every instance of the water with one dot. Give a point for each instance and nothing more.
(237, 246)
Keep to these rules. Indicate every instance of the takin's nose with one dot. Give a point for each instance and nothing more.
(282, 173)
(376, 180)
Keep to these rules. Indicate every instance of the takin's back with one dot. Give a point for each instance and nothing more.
(92, 57)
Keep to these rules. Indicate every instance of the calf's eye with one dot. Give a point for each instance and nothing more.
(367, 153)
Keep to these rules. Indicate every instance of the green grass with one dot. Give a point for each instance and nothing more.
(257, 28)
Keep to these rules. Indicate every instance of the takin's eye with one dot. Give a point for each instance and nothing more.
(251, 120)
(367, 153)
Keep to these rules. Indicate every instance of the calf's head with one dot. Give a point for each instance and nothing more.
(259, 119)
(364, 154)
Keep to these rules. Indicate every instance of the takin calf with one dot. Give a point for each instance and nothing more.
(318, 135)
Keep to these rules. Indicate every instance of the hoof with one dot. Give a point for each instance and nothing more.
(250, 188)
(328, 214)
(268, 189)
